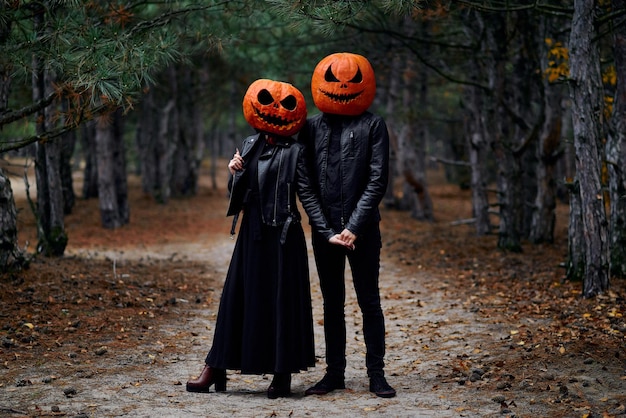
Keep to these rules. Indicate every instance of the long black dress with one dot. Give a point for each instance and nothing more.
(264, 323)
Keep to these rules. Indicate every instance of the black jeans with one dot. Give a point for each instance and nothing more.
(364, 262)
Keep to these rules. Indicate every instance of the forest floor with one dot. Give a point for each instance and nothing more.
(120, 323)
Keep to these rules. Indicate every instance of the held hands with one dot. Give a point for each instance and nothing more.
(346, 238)
(236, 164)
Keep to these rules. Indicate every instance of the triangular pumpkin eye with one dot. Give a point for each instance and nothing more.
(265, 97)
(358, 77)
(329, 76)
(289, 102)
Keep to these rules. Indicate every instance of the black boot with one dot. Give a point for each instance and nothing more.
(280, 386)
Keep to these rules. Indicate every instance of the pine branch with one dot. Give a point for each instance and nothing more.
(10, 117)
(55, 133)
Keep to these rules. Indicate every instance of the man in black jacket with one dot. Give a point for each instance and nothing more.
(347, 151)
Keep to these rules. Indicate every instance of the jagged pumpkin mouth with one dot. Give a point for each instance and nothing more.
(273, 120)
(341, 98)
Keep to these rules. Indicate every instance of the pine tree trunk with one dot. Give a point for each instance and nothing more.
(548, 147)
(616, 156)
(188, 130)
(422, 207)
(67, 142)
(165, 149)
(11, 257)
(587, 102)
(90, 174)
(477, 134)
(544, 216)
(50, 207)
(477, 145)
(394, 126)
(508, 179)
(575, 236)
(145, 137)
(112, 188)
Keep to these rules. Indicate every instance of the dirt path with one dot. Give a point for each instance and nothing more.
(150, 388)
(432, 372)
(83, 337)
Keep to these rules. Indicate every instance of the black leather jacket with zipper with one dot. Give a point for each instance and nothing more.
(284, 165)
(364, 170)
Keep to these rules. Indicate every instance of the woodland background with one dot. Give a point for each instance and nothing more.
(524, 102)
(508, 154)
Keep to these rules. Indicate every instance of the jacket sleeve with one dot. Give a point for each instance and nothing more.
(306, 192)
(378, 174)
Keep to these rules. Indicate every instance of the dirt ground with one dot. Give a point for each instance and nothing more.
(120, 323)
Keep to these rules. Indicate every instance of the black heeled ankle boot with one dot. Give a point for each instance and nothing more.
(209, 376)
(280, 386)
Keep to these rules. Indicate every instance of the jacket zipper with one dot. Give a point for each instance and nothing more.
(289, 197)
(280, 163)
(343, 219)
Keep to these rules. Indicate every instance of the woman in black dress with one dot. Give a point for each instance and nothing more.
(264, 323)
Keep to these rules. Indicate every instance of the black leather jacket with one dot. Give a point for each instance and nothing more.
(278, 181)
(364, 167)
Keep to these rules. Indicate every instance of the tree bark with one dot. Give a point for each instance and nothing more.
(394, 126)
(188, 132)
(50, 207)
(477, 145)
(616, 156)
(145, 138)
(414, 167)
(112, 186)
(11, 257)
(67, 144)
(587, 101)
(90, 174)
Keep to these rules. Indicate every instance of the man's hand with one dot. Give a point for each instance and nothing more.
(337, 240)
(348, 237)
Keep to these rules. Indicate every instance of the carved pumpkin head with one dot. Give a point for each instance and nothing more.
(343, 84)
(275, 107)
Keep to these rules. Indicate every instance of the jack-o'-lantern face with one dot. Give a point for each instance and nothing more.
(343, 84)
(275, 107)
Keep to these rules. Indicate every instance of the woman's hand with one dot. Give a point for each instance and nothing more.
(236, 164)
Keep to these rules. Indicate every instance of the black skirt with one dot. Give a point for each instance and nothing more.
(265, 323)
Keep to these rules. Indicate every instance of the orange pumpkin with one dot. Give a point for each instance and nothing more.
(343, 84)
(275, 107)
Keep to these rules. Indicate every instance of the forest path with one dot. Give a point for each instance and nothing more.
(117, 326)
(425, 329)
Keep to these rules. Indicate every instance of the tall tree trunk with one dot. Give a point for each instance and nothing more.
(90, 174)
(477, 146)
(543, 215)
(11, 257)
(548, 149)
(575, 236)
(616, 156)
(165, 149)
(587, 100)
(477, 126)
(145, 138)
(50, 208)
(394, 126)
(188, 131)
(67, 143)
(112, 186)
(414, 169)
(10, 254)
(508, 180)
(422, 205)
